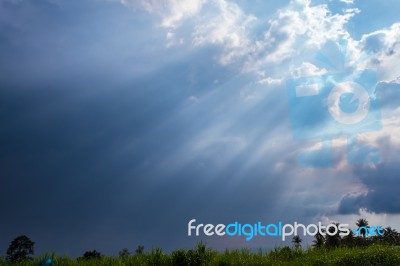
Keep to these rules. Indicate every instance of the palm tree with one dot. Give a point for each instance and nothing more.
(390, 235)
(319, 240)
(362, 226)
(296, 240)
(332, 240)
(389, 231)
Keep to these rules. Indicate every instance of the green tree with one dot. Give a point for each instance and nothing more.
(20, 249)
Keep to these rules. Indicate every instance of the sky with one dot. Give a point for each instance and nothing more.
(123, 120)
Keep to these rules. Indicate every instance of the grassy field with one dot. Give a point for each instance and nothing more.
(372, 255)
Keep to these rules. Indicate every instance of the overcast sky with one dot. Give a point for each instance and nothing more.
(123, 120)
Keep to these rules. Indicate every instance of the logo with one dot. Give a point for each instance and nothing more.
(278, 229)
(368, 231)
(341, 103)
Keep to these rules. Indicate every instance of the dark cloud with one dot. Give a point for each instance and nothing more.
(84, 154)
(382, 183)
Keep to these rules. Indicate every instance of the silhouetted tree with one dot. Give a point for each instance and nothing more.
(391, 236)
(139, 250)
(94, 254)
(332, 240)
(124, 253)
(349, 240)
(319, 240)
(20, 249)
(296, 240)
(362, 226)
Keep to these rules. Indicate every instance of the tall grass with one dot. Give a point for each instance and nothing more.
(201, 255)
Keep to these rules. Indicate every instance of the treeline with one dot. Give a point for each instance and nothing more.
(21, 250)
(363, 238)
(382, 255)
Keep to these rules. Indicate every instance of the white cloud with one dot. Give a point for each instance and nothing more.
(223, 23)
(172, 40)
(270, 81)
(296, 30)
(172, 12)
(193, 99)
(298, 27)
(228, 27)
(289, 40)
(384, 48)
(347, 1)
(307, 69)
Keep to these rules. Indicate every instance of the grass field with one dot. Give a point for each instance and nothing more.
(372, 255)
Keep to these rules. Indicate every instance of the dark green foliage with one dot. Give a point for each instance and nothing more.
(158, 257)
(390, 236)
(201, 255)
(319, 240)
(285, 253)
(361, 239)
(349, 240)
(327, 249)
(139, 250)
(180, 258)
(124, 253)
(20, 249)
(94, 254)
(371, 255)
(332, 240)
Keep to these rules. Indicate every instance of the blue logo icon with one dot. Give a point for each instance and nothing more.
(368, 231)
(47, 262)
(334, 105)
